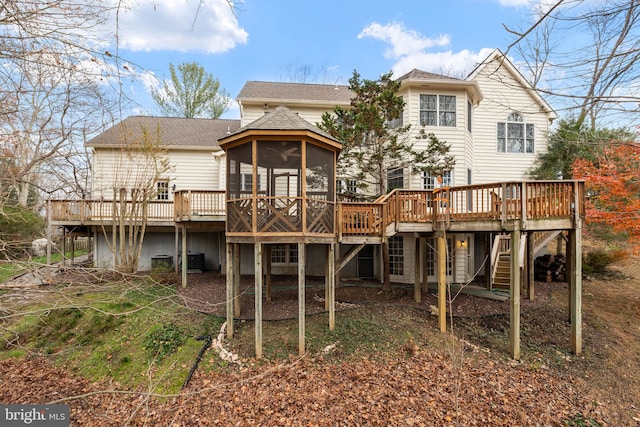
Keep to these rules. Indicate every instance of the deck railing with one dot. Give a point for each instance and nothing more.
(192, 204)
(505, 201)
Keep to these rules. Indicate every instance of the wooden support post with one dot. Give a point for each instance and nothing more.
(417, 292)
(386, 278)
(442, 281)
(487, 263)
(423, 264)
(326, 278)
(301, 298)
(257, 256)
(514, 323)
(230, 284)
(268, 272)
(330, 281)
(49, 241)
(575, 239)
(185, 258)
(530, 268)
(72, 242)
(236, 279)
(176, 248)
(570, 268)
(64, 246)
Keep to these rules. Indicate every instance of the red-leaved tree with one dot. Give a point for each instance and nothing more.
(612, 184)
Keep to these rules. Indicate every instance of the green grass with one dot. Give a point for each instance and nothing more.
(9, 270)
(100, 333)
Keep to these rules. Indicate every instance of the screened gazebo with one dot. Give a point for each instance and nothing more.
(280, 189)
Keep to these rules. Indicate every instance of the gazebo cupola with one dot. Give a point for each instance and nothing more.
(281, 181)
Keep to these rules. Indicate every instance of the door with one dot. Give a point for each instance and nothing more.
(365, 262)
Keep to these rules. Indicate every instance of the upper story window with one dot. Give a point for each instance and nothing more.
(515, 136)
(430, 182)
(396, 123)
(162, 190)
(395, 179)
(469, 116)
(437, 110)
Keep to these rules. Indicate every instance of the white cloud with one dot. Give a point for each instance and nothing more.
(403, 41)
(207, 26)
(409, 49)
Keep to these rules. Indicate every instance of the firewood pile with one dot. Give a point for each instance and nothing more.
(550, 268)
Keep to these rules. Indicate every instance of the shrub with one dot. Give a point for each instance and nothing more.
(597, 261)
(163, 341)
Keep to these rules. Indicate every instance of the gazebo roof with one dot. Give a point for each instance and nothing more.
(281, 119)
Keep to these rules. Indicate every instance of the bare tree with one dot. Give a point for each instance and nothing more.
(588, 53)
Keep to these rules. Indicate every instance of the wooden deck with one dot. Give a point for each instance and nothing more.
(535, 205)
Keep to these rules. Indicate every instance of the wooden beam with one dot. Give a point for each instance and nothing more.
(417, 291)
(229, 272)
(575, 237)
(268, 273)
(530, 280)
(176, 249)
(349, 256)
(423, 264)
(442, 280)
(236, 278)
(514, 321)
(487, 263)
(257, 258)
(185, 258)
(301, 298)
(330, 281)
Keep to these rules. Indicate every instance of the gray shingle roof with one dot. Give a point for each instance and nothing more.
(174, 131)
(281, 118)
(265, 91)
(416, 74)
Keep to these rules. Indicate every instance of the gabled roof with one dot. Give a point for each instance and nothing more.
(280, 119)
(416, 74)
(497, 55)
(177, 132)
(419, 78)
(254, 91)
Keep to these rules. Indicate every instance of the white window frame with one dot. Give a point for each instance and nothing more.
(430, 182)
(396, 255)
(515, 135)
(438, 111)
(162, 189)
(284, 254)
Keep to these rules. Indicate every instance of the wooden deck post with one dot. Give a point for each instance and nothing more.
(185, 258)
(257, 258)
(301, 298)
(386, 279)
(417, 291)
(230, 286)
(442, 281)
(575, 237)
(330, 283)
(423, 264)
(487, 263)
(176, 249)
(530, 278)
(514, 323)
(268, 270)
(236, 278)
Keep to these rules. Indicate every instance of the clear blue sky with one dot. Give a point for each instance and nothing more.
(269, 39)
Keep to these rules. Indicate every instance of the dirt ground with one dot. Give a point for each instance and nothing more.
(422, 387)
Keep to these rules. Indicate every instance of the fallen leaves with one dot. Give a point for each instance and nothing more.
(424, 389)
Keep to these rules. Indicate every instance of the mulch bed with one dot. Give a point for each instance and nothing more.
(206, 292)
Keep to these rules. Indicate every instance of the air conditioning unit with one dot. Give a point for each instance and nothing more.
(195, 262)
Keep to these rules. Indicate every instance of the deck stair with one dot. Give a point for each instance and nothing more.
(501, 255)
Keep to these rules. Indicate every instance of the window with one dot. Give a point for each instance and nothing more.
(347, 186)
(515, 136)
(284, 254)
(162, 190)
(432, 257)
(469, 116)
(396, 255)
(395, 179)
(396, 123)
(437, 110)
(246, 182)
(430, 182)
